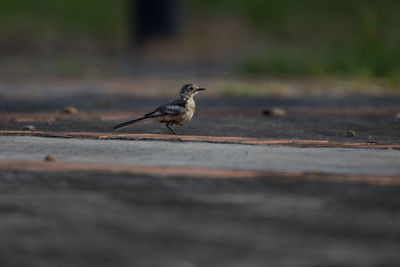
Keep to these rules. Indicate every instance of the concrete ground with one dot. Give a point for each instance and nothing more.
(319, 186)
(204, 155)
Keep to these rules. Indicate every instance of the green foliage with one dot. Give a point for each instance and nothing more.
(359, 59)
(314, 37)
(308, 37)
(97, 18)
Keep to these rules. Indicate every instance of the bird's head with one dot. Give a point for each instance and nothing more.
(189, 90)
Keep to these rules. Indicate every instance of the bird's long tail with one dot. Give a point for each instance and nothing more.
(127, 123)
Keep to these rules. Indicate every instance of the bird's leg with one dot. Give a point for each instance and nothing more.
(167, 124)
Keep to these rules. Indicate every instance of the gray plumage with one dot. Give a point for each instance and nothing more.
(176, 112)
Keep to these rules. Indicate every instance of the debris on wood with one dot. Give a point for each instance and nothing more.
(279, 112)
(50, 158)
(351, 133)
(28, 128)
(69, 110)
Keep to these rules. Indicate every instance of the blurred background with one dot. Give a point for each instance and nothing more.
(251, 48)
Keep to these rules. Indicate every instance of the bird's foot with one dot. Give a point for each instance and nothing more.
(172, 131)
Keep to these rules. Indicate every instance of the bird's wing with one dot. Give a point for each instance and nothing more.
(173, 108)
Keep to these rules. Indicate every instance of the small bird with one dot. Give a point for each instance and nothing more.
(176, 112)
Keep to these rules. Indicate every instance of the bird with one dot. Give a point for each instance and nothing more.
(177, 111)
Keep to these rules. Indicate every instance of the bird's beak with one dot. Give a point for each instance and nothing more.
(201, 89)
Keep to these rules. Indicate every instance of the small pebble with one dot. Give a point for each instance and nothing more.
(28, 128)
(50, 158)
(274, 112)
(69, 110)
(351, 133)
